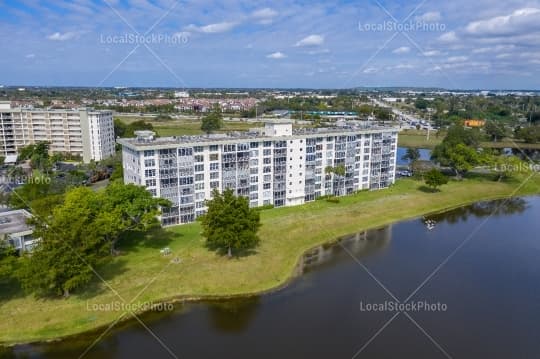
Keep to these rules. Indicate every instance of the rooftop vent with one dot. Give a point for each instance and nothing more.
(145, 136)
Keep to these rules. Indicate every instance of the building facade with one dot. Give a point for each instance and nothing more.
(275, 166)
(83, 132)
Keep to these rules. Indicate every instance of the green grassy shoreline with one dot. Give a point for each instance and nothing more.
(287, 233)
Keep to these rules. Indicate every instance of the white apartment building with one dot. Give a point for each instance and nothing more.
(272, 166)
(82, 132)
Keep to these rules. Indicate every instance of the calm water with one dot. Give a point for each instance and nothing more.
(425, 155)
(490, 289)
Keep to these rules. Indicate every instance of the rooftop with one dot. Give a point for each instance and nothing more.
(14, 221)
(147, 140)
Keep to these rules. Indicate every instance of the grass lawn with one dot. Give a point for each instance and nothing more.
(418, 139)
(141, 274)
(186, 127)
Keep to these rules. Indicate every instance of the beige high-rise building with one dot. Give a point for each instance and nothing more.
(80, 132)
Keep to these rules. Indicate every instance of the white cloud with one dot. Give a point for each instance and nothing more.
(311, 40)
(520, 21)
(431, 53)
(264, 16)
(402, 50)
(457, 59)
(318, 51)
(448, 37)
(400, 67)
(276, 55)
(497, 48)
(30, 56)
(431, 16)
(213, 28)
(58, 36)
(370, 70)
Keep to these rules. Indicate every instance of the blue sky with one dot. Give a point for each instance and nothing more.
(320, 44)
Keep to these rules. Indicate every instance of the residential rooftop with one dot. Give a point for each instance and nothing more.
(147, 139)
(14, 222)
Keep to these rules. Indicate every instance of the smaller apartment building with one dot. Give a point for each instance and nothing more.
(272, 166)
(80, 132)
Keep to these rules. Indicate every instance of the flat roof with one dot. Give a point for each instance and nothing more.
(234, 137)
(14, 221)
(57, 110)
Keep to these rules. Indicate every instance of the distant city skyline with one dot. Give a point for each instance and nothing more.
(261, 44)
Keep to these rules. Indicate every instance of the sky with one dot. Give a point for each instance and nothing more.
(458, 44)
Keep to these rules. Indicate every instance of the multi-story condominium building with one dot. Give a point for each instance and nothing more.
(272, 166)
(83, 132)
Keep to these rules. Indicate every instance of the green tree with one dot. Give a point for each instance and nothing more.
(212, 121)
(435, 178)
(529, 134)
(81, 232)
(458, 150)
(459, 157)
(411, 155)
(229, 223)
(7, 260)
(70, 247)
(495, 130)
(126, 207)
(421, 103)
(38, 154)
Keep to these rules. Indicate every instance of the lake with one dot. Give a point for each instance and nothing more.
(425, 155)
(480, 298)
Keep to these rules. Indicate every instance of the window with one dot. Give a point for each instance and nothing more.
(185, 151)
(266, 186)
(148, 153)
(199, 158)
(151, 183)
(213, 148)
(214, 166)
(199, 177)
(149, 162)
(254, 179)
(198, 149)
(267, 152)
(214, 157)
(229, 148)
(267, 160)
(199, 168)
(214, 175)
(199, 196)
(267, 143)
(214, 184)
(199, 186)
(150, 173)
(254, 144)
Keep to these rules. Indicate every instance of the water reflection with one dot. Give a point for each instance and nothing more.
(361, 244)
(233, 315)
(499, 207)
